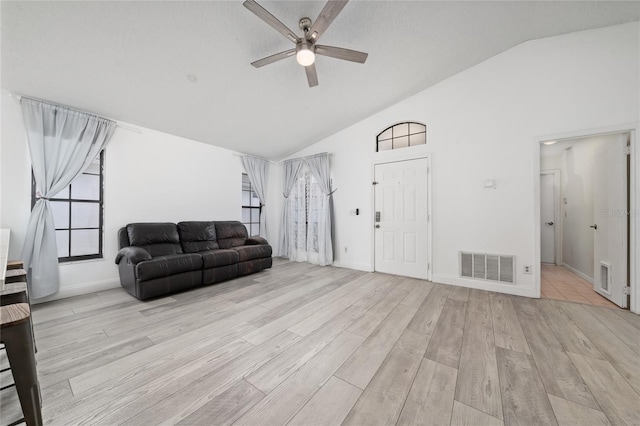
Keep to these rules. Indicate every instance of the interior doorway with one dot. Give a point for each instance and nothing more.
(584, 219)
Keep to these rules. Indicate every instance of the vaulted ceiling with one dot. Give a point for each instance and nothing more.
(184, 67)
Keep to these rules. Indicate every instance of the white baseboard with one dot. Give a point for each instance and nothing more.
(486, 285)
(578, 273)
(80, 289)
(353, 265)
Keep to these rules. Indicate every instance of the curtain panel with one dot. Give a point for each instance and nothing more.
(291, 170)
(62, 144)
(258, 171)
(319, 167)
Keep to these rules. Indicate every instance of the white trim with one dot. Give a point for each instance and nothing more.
(634, 191)
(353, 265)
(557, 213)
(515, 290)
(578, 273)
(80, 289)
(396, 156)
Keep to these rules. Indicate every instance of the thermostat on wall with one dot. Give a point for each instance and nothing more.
(490, 183)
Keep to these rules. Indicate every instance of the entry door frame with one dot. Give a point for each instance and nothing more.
(634, 201)
(396, 156)
(557, 213)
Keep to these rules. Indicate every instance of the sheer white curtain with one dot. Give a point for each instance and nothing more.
(308, 213)
(62, 143)
(291, 170)
(319, 244)
(258, 171)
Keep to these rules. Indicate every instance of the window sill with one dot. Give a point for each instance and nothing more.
(75, 262)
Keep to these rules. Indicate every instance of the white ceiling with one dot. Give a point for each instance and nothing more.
(130, 60)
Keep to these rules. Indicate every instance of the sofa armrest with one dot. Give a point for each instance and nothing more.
(254, 241)
(133, 254)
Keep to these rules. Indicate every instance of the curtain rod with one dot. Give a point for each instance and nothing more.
(18, 99)
(310, 156)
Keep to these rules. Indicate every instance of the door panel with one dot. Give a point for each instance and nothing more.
(610, 217)
(401, 234)
(548, 219)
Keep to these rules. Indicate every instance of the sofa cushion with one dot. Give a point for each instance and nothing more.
(159, 239)
(253, 252)
(197, 236)
(216, 258)
(164, 266)
(231, 234)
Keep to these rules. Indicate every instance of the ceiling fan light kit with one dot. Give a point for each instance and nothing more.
(306, 48)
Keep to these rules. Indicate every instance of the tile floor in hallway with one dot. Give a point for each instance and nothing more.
(561, 284)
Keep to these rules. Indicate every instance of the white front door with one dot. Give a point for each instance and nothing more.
(401, 223)
(547, 217)
(610, 220)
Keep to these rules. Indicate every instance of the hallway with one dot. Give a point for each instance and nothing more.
(561, 284)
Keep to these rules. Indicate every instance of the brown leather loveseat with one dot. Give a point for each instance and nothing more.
(156, 259)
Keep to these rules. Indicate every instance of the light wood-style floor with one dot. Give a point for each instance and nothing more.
(561, 284)
(303, 345)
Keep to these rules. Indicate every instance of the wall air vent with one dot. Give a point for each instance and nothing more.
(488, 267)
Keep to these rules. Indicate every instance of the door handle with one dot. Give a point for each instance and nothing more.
(377, 226)
(595, 226)
(549, 223)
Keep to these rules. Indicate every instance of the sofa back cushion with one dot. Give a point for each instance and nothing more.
(231, 233)
(197, 236)
(159, 239)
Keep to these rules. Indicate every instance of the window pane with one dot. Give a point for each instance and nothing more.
(246, 185)
(419, 139)
(62, 194)
(255, 201)
(385, 145)
(400, 130)
(85, 215)
(417, 128)
(255, 215)
(386, 134)
(248, 230)
(246, 198)
(62, 238)
(84, 242)
(402, 142)
(60, 213)
(255, 230)
(94, 167)
(86, 187)
(246, 215)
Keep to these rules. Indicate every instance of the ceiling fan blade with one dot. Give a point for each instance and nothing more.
(267, 17)
(341, 53)
(312, 75)
(273, 58)
(326, 17)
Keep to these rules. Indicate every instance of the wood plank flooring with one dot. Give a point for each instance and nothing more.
(305, 345)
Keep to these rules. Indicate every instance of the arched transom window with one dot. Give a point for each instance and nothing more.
(401, 135)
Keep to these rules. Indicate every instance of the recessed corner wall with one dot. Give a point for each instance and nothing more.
(483, 123)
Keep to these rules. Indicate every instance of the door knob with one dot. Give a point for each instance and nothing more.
(549, 223)
(594, 226)
(377, 226)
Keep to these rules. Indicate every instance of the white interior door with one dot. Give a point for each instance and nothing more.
(401, 234)
(548, 200)
(610, 220)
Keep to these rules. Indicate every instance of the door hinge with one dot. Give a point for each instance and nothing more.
(374, 183)
(627, 150)
(626, 291)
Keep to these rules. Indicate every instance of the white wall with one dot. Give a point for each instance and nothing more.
(484, 123)
(151, 176)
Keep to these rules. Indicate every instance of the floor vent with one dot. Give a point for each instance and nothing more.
(488, 267)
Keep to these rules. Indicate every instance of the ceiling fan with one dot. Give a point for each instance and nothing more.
(306, 48)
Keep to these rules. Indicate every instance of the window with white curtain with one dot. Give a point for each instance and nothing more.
(78, 214)
(251, 209)
(306, 212)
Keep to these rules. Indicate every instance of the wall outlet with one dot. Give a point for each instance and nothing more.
(346, 249)
(527, 269)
